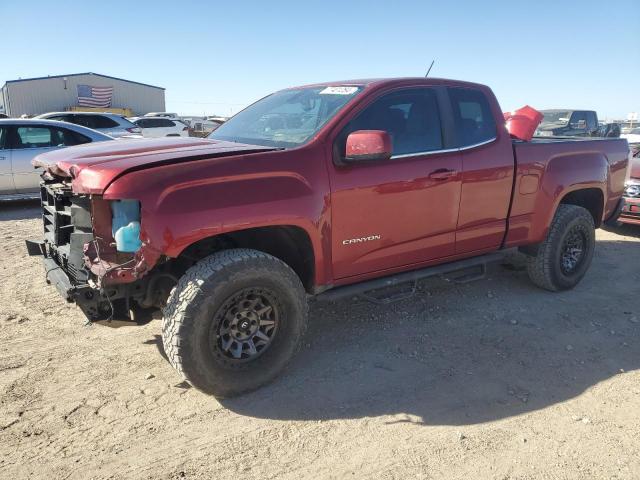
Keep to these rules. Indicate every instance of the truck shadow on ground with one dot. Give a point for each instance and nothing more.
(627, 229)
(20, 210)
(456, 355)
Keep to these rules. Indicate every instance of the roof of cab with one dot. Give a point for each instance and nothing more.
(366, 82)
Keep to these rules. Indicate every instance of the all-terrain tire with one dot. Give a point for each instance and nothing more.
(195, 314)
(546, 268)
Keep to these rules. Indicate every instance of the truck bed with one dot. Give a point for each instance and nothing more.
(566, 139)
(536, 195)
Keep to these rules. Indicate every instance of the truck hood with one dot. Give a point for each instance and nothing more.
(92, 167)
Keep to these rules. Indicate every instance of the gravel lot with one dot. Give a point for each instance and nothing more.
(494, 379)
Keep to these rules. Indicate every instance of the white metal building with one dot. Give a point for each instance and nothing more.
(33, 96)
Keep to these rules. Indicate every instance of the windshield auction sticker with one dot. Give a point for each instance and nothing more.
(339, 91)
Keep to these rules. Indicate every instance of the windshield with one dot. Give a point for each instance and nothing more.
(556, 117)
(286, 119)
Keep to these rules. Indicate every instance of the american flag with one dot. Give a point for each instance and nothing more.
(89, 96)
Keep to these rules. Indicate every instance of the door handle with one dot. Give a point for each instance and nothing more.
(442, 174)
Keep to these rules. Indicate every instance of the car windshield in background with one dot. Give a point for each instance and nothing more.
(556, 117)
(286, 119)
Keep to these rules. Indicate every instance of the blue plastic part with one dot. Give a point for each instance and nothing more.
(125, 225)
(128, 238)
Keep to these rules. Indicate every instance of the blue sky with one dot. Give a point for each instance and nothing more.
(215, 57)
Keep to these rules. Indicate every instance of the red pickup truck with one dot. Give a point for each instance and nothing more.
(326, 190)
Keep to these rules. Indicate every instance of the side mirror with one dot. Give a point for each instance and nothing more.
(368, 145)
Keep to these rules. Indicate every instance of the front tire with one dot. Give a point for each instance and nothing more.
(233, 321)
(564, 257)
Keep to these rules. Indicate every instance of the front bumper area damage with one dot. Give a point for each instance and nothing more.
(80, 259)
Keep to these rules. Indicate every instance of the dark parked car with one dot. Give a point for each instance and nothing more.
(574, 123)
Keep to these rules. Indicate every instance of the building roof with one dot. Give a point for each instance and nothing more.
(85, 73)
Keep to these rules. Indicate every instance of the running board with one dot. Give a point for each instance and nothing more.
(470, 277)
(414, 276)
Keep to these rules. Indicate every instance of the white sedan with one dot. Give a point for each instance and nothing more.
(21, 140)
(161, 127)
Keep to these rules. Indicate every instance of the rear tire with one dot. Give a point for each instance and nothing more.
(564, 257)
(233, 321)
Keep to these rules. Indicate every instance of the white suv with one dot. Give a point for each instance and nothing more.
(161, 127)
(108, 123)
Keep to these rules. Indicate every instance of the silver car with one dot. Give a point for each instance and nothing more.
(108, 123)
(22, 140)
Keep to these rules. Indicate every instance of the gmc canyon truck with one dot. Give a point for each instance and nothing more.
(325, 190)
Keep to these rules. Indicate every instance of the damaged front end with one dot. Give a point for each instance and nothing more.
(95, 253)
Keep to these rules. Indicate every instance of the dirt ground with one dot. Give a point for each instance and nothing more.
(493, 379)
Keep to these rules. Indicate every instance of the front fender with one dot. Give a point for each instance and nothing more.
(183, 204)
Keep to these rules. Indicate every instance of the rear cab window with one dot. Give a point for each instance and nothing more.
(472, 116)
(578, 120)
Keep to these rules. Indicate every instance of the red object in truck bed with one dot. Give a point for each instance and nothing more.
(522, 123)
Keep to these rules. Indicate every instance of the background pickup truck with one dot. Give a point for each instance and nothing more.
(327, 190)
(575, 123)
